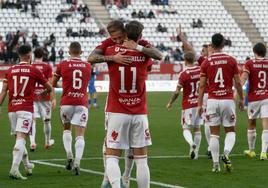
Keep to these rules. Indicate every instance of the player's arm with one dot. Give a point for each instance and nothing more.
(239, 90)
(174, 97)
(150, 51)
(52, 95)
(3, 92)
(55, 80)
(97, 56)
(244, 77)
(202, 85)
(187, 46)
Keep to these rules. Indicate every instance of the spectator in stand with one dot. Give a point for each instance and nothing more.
(160, 28)
(61, 54)
(134, 14)
(194, 24)
(52, 39)
(165, 2)
(199, 23)
(151, 14)
(228, 42)
(69, 32)
(2, 50)
(52, 57)
(141, 14)
(35, 42)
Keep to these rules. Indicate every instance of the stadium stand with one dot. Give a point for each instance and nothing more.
(12, 19)
(258, 11)
(213, 15)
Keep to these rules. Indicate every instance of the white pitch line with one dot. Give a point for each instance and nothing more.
(150, 157)
(101, 174)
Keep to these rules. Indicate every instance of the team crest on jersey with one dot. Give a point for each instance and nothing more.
(118, 49)
(114, 135)
(25, 123)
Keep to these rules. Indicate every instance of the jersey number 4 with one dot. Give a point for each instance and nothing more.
(219, 78)
(122, 80)
(21, 80)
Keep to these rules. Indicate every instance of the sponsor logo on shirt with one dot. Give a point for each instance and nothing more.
(130, 101)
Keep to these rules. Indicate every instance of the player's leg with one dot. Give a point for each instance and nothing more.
(215, 146)
(79, 122)
(117, 138)
(27, 165)
(129, 163)
(206, 126)
(112, 167)
(66, 113)
(197, 140)
(186, 122)
(33, 131)
(140, 138)
(89, 100)
(23, 121)
(46, 116)
(228, 121)
(264, 119)
(142, 171)
(32, 136)
(95, 104)
(251, 136)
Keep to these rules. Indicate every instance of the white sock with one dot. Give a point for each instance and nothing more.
(251, 139)
(67, 142)
(113, 171)
(32, 136)
(79, 148)
(47, 130)
(215, 147)
(18, 153)
(142, 172)
(25, 157)
(264, 139)
(188, 136)
(105, 177)
(197, 140)
(229, 142)
(129, 162)
(207, 134)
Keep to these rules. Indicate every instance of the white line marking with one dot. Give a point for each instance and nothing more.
(101, 174)
(150, 157)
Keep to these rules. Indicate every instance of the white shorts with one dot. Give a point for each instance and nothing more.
(220, 112)
(126, 131)
(75, 115)
(189, 118)
(258, 109)
(20, 121)
(42, 109)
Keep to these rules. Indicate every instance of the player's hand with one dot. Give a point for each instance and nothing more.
(122, 59)
(199, 111)
(241, 105)
(169, 106)
(53, 103)
(130, 44)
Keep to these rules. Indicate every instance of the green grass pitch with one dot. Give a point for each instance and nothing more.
(167, 141)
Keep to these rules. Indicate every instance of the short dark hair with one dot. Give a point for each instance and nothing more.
(133, 31)
(39, 53)
(24, 50)
(205, 46)
(189, 56)
(260, 49)
(115, 25)
(217, 40)
(139, 24)
(75, 48)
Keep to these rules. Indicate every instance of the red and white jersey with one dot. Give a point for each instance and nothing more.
(21, 80)
(258, 79)
(109, 42)
(127, 90)
(219, 69)
(47, 72)
(75, 75)
(189, 81)
(200, 59)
